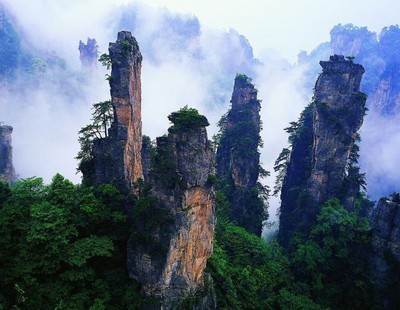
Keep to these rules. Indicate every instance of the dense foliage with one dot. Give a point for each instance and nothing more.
(333, 260)
(102, 117)
(187, 118)
(63, 246)
(250, 273)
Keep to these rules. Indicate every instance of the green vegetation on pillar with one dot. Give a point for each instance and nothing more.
(238, 157)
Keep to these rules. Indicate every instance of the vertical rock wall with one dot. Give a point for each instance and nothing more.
(338, 114)
(118, 158)
(317, 169)
(238, 159)
(6, 164)
(184, 238)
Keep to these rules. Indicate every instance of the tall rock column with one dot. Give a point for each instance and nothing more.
(321, 146)
(238, 159)
(386, 251)
(339, 109)
(118, 158)
(173, 236)
(6, 164)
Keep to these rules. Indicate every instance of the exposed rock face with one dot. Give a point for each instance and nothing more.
(89, 54)
(338, 115)
(317, 170)
(238, 159)
(118, 158)
(6, 164)
(386, 250)
(386, 97)
(378, 54)
(184, 237)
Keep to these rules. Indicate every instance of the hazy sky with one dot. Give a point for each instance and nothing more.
(287, 25)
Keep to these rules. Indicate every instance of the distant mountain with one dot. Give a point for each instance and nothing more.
(380, 56)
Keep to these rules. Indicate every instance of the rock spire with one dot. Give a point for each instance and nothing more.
(322, 143)
(171, 267)
(118, 158)
(238, 159)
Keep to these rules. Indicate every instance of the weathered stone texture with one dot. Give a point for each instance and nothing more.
(317, 169)
(180, 272)
(338, 115)
(238, 159)
(118, 158)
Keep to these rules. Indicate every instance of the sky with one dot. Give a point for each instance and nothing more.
(45, 133)
(287, 26)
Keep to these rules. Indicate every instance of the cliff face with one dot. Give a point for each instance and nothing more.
(386, 250)
(171, 266)
(118, 158)
(238, 159)
(321, 148)
(6, 164)
(338, 114)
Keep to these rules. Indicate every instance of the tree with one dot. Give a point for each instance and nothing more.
(338, 242)
(105, 60)
(63, 247)
(186, 119)
(102, 117)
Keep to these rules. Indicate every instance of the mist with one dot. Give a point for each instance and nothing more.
(184, 63)
(180, 67)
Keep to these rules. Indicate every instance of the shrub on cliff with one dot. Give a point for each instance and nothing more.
(187, 118)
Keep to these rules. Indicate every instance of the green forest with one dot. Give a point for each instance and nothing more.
(64, 246)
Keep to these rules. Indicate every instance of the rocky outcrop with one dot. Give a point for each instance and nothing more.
(118, 158)
(172, 215)
(321, 147)
(171, 266)
(379, 55)
(339, 109)
(89, 54)
(238, 159)
(7, 171)
(386, 250)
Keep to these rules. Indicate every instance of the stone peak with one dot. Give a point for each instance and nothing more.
(244, 92)
(339, 64)
(126, 35)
